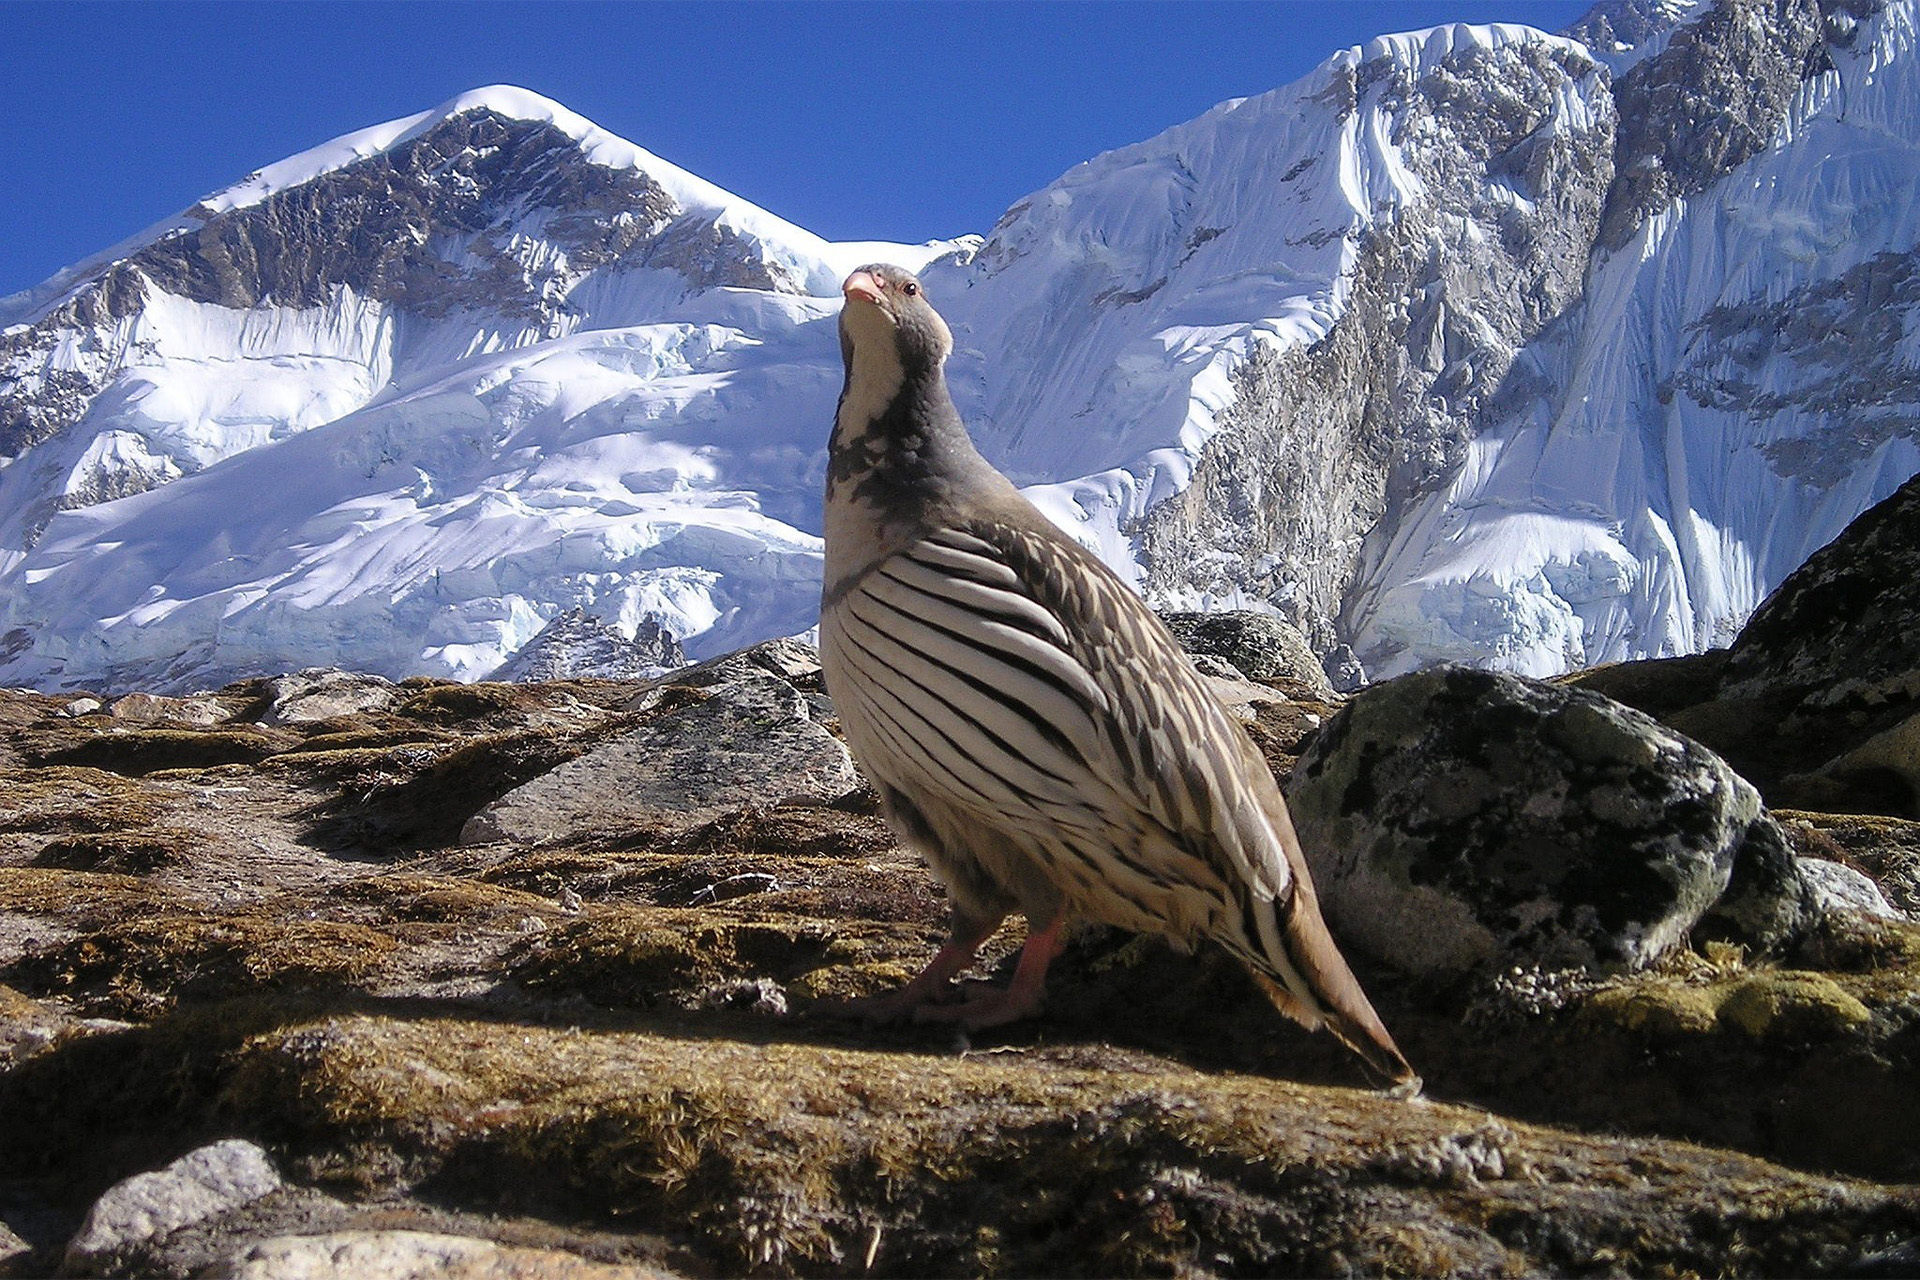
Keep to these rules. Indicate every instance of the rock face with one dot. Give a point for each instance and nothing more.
(1458, 819)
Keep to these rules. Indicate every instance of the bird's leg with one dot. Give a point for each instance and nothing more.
(955, 954)
(1022, 998)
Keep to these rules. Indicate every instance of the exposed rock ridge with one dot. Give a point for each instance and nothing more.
(1321, 447)
(1709, 101)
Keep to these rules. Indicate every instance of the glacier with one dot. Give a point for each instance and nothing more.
(1457, 349)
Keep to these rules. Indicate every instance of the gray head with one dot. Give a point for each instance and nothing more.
(887, 318)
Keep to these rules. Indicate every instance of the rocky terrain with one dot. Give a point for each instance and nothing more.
(326, 975)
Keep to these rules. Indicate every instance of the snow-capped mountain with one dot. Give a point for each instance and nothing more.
(1477, 343)
(400, 401)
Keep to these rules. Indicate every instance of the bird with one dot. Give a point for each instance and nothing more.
(1031, 729)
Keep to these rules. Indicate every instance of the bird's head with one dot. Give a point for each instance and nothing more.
(887, 311)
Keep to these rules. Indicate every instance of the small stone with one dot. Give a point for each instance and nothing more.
(1838, 887)
(199, 1185)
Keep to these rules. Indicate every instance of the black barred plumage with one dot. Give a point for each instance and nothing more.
(1031, 727)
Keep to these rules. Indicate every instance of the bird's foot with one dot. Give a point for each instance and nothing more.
(990, 1007)
(880, 1010)
(888, 1007)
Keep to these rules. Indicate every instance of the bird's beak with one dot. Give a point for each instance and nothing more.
(863, 285)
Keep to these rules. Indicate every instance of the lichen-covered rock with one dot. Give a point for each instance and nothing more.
(1459, 818)
(749, 742)
(148, 708)
(1259, 645)
(199, 1185)
(321, 693)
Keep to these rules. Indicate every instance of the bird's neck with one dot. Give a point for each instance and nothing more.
(899, 458)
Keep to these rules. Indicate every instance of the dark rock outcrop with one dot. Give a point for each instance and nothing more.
(1818, 700)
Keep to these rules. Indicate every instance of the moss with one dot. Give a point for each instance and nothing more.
(641, 956)
(150, 749)
(1792, 1005)
(441, 900)
(1665, 1009)
(134, 852)
(497, 705)
(795, 1158)
(58, 799)
(46, 891)
(355, 737)
(144, 964)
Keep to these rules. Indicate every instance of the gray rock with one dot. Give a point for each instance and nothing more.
(579, 644)
(418, 1255)
(1455, 818)
(150, 708)
(197, 1186)
(1216, 668)
(1259, 645)
(321, 693)
(1243, 697)
(794, 661)
(750, 742)
(1838, 887)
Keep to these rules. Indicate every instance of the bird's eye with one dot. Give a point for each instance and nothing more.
(911, 289)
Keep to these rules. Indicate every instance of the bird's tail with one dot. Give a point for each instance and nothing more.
(1307, 978)
(1344, 1010)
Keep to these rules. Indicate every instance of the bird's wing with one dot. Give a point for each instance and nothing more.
(1091, 683)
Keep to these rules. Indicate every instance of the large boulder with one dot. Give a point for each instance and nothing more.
(1459, 819)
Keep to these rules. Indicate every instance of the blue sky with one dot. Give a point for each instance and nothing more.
(855, 119)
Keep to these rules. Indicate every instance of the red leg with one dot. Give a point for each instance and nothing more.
(1023, 998)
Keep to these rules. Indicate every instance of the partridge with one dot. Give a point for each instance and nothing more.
(1030, 727)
